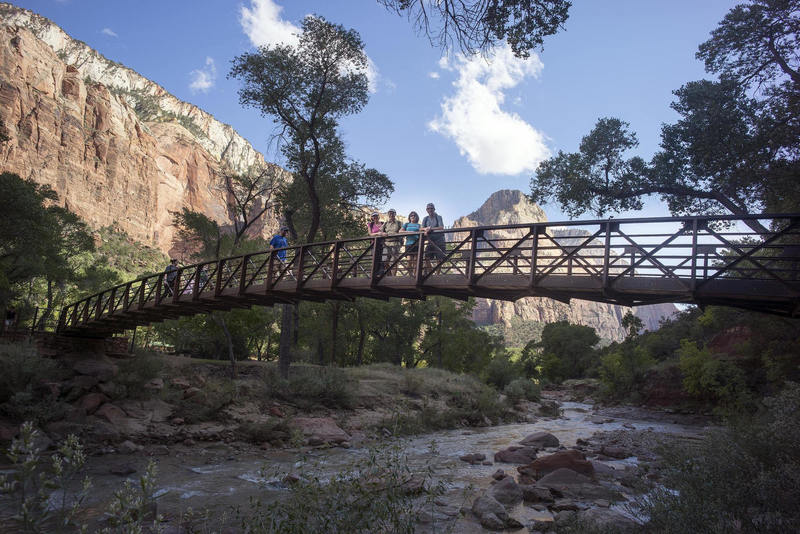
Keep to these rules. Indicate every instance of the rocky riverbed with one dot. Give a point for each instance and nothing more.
(586, 464)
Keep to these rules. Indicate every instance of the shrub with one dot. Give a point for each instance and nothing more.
(742, 478)
(711, 379)
(501, 371)
(378, 494)
(22, 369)
(314, 385)
(522, 388)
(623, 368)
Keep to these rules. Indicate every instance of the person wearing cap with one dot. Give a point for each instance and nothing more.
(280, 242)
(436, 242)
(391, 250)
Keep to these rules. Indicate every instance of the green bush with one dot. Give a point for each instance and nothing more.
(329, 386)
(742, 478)
(22, 369)
(378, 494)
(501, 371)
(522, 388)
(622, 369)
(711, 379)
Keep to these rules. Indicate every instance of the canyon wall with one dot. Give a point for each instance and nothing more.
(116, 147)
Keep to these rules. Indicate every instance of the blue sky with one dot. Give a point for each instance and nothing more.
(449, 130)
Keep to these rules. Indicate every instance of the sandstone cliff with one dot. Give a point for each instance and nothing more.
(512, 207)
(116, 147)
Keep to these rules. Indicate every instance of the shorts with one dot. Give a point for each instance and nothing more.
(391, 252)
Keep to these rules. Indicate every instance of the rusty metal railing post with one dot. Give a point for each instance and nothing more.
(300, 257)
(473, 256)
(218, 285)
(243, 275)
(534, 255)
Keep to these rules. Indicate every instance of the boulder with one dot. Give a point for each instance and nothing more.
(190, 392)
(516, 455)
(179, 382)
(129, 447)
(507, 491)
(608, 519)
(474, 458)
(156, 384)
(532, 493)
(111, 413)
(569, 483)
(540, 440)
(101, 368)
(490, 512)
(615, 452)
(323, 428)
(90, 402)
(499, 474)
(570, 459)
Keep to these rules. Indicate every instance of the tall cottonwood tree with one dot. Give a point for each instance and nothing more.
(306, 89)
(729, 153)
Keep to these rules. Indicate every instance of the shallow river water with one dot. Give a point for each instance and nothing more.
(220, 476)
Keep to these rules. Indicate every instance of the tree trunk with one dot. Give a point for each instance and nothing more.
(362, 334)
(439, 355)
(220, 320)
(334, 330)
(285, 343)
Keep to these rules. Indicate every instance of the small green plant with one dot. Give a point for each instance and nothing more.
(380, 493)
(522, 388)
(32, 486)
(134, 506)
(712, 379)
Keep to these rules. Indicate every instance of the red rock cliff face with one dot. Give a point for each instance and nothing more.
(116, 147)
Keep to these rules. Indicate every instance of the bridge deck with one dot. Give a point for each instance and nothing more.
(700, 260)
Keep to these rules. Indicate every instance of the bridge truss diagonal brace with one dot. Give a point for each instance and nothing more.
(650, 256)
(504, 256)
(569, 255)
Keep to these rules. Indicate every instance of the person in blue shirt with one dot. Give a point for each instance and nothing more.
(412, 241)
(279, 241)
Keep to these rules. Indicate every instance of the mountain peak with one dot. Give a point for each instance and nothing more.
(506, 206)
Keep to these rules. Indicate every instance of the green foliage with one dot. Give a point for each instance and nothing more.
(518, 333)
(312, 385)
(522, 389)
(711, 379)
(24, 392)
(567, 350)
(501, 371)
(381, 493)
(741, 478)
(133, 507)
(622, 369)
(33, 487)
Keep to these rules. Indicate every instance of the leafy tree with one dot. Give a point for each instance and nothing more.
(38, 239)
(477, 25)
(756, 43)
(567, 350)
(728, 153)
(306, 89)
(632, 324)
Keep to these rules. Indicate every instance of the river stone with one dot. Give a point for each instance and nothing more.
(473, 458)
(608, 519)
(516, 455)
(101, 368)
(570, 459)
(564, 504)
(531, 493)
(486, 504)
(324, 428)
(90, 402)
(507, 491)
(615, 452)
(572, 484)
(111, 413)
(499, 474)
(541, 440)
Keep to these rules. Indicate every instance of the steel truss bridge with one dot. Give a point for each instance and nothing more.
(696, 260)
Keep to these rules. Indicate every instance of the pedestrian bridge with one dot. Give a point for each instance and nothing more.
(631, 262)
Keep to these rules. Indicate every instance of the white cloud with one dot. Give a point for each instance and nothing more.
(109, 32)
(494, 141)
(204, 79)
(434, 75)
(263, 25)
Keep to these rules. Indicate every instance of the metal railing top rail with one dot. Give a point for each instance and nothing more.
(295, 250)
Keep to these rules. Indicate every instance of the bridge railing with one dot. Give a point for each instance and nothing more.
(690, 250)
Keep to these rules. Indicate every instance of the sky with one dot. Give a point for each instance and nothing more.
(445, 128)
